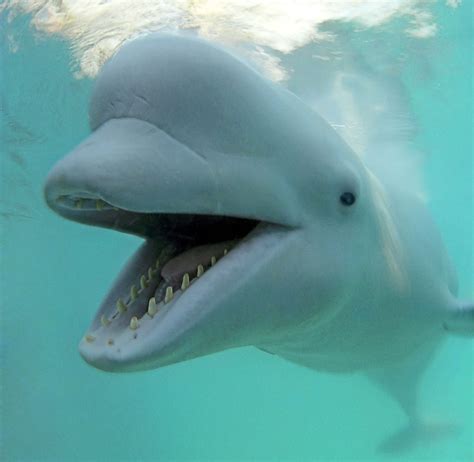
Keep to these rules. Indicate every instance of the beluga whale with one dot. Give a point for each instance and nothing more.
(261, 227)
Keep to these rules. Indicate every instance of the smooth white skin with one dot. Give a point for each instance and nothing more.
(182, 126)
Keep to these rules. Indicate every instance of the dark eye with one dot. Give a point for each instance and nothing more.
(347, 198)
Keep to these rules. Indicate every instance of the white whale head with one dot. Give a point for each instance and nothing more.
(251, 206)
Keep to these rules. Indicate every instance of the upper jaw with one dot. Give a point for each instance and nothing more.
(135, 167)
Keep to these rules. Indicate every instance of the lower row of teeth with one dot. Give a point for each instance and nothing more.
(152, 310)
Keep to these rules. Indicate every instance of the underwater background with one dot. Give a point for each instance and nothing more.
(235, 405)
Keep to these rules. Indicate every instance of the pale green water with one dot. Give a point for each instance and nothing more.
(237, 405)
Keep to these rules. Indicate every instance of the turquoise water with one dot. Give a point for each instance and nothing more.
(236, 405)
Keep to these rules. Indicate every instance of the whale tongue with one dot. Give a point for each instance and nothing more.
(188, 261)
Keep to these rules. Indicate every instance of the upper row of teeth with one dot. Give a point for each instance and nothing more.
(99, 204)
(152, 305)
(81, 202)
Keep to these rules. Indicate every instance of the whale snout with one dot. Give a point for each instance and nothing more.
(132, 165)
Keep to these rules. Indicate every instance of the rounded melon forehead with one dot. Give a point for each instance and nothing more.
(193, 90)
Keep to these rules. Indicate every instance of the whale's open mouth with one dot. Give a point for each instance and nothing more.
(180, 251)
(211, 225)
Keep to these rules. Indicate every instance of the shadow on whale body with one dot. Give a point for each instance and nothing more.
(261, 227)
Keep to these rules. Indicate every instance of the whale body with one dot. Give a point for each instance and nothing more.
(261, 227)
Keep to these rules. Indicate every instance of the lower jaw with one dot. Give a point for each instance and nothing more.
(160, 282)
(137, 338)
(119, 330)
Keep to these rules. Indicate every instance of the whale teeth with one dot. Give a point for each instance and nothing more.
(79, 203)
(200, 271)
(99, 205)
(133, 293)
(89, 338)
(151, 273)
(185, 283)
(144, 282)
(169, 294)
(134, 323)
(121, 307)
(152, 307)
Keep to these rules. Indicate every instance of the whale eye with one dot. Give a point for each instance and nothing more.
(347, 198)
